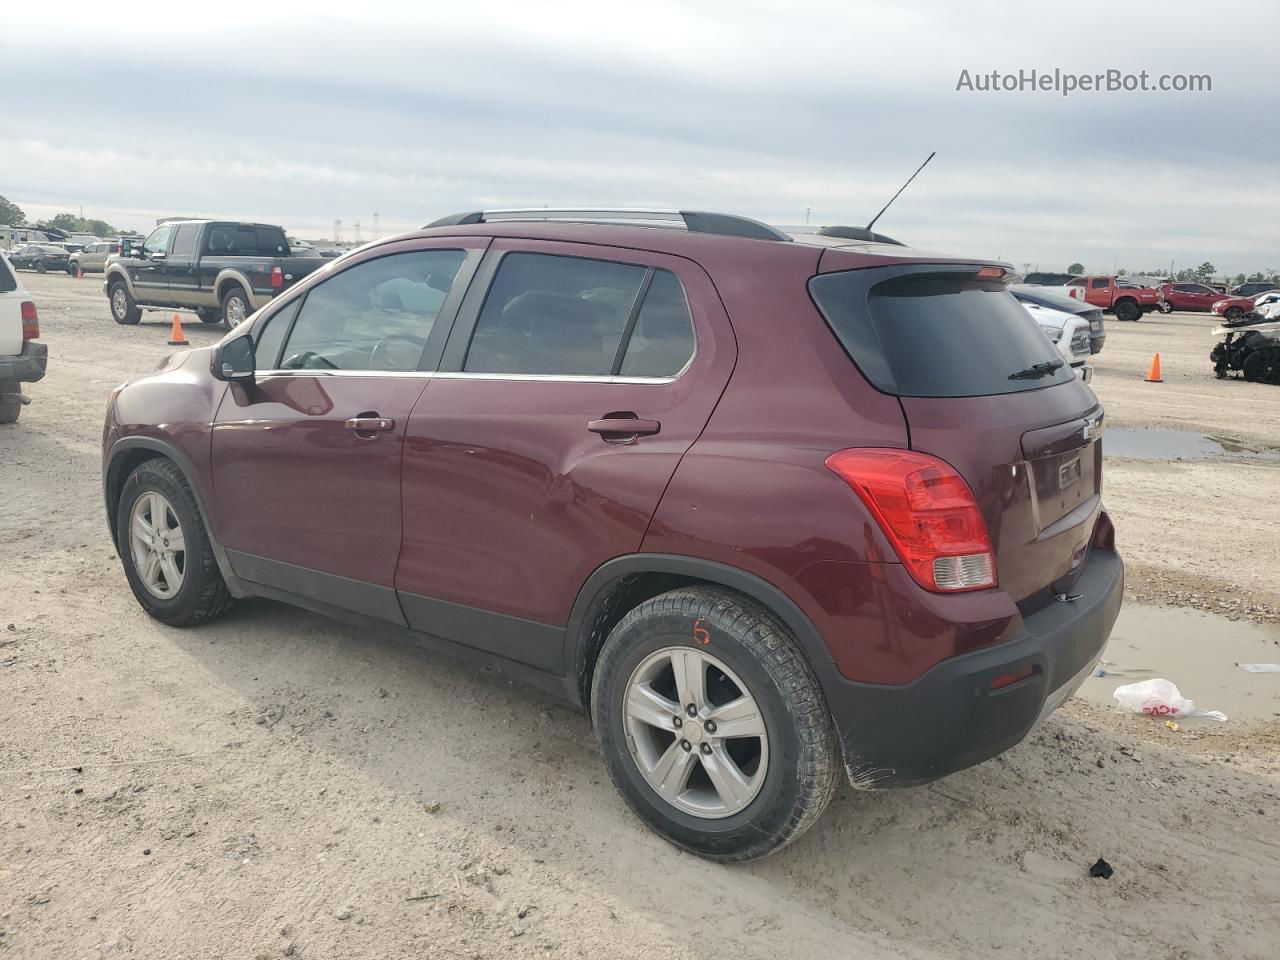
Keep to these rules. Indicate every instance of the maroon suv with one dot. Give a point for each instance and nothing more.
(773, 508)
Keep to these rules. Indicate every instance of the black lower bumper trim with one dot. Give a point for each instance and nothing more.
(28, 366)
(950, 717)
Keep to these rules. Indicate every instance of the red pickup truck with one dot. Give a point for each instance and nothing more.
(1126, 302)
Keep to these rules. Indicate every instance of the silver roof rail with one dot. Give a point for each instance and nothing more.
(695, 221)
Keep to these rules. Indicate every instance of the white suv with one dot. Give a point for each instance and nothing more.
(1069, 333)
(22, 359)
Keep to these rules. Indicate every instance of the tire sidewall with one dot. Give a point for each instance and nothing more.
(238, 294)
(130, 307)
(771, 810)
(179, 607)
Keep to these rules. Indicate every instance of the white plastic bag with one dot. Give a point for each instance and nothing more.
(1160, 698)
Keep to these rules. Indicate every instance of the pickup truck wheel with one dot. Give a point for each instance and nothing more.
(123, 308)
(713, 726)
(209, 315)
(1127, 310)
(166, 552)
(235, 306)
(10, 403)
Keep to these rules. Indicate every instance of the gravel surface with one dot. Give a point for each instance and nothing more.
(277, 784)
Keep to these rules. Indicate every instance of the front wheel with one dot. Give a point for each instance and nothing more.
(165, 549)
(1164, 306)
(1233, 313)
(713, 726)
(123, 308)
(41, 266)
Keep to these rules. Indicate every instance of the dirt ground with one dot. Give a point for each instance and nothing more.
(277, 784)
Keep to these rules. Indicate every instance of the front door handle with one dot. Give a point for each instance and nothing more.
(623, 427)
(368, 427)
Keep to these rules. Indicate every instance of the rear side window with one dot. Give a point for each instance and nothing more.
(375, 315)
(245, 240)
(575, 316)
(937, 335)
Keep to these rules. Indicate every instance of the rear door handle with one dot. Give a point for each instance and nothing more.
(623, 427)
(369, 427)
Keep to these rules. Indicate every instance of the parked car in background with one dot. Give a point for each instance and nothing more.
(40, 257)
(1254, 287)
(869, 541)
(1190, 296)
(1126, 302)
(1068, 332)
(93, 258)
(220, 269)
(1235, 307)
(1045, 279)
(1061, 301)
(22, 356)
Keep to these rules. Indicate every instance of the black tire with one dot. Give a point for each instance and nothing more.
(803, 754)
(124, 310)
(230, 297)
(209, 315)
(1263, 366)
(10, 404)
(41, 266)
(203, 594)
(71, 269)
(1127, 310)
(1233, 313)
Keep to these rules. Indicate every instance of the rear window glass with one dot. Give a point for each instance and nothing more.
(239, 240)
(935, 335)
(7, 283)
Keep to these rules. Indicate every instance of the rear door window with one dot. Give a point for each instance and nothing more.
(554, 315)
(375, 315)
(937, 335)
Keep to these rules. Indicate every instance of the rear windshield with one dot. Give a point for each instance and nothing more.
(937, 335)
(7, 283)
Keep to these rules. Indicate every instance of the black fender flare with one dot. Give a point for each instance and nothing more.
(578, 641)
(113, 482)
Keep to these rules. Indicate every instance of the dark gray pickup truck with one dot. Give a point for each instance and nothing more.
(222, 270)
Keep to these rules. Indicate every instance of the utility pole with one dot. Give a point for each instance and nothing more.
(806, 216)
(375, 225)
(357, 230)
(337, 231)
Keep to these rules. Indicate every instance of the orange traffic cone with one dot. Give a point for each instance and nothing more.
(79, 272)
(1153, 375)
(178, 339)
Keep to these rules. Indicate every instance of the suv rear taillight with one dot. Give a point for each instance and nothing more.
(928, 513)
(30, 321)
(277, 278)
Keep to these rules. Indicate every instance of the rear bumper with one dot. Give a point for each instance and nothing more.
(950, 718)
(28, 366)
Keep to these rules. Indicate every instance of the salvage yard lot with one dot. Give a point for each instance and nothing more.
(277, 784)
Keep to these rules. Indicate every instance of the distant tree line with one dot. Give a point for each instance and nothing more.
(12, 215)
(1201, 274)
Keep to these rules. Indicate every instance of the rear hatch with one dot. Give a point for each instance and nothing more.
(984, 389)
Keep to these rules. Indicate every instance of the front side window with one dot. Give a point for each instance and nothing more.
(158, 242)
(575, 316)
(375, 315)
(184, 241)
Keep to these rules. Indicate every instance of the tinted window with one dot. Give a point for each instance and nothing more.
(662, 341)
(1099, 283)
(271, 336)
(931, 335)
(554, 315)
(376, 315)
(158, 242)
(7, 282)
(184, 241)
(245, 240)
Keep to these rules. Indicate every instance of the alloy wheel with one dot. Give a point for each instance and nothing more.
(695, 732)
(158, 545)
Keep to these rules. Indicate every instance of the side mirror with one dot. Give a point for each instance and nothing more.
(234, 360)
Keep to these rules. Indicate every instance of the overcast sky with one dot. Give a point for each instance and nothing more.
(306, 113)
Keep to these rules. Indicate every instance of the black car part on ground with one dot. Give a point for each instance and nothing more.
(1253, 353)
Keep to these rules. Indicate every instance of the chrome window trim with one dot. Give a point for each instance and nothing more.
(459, 375)
(260, 374)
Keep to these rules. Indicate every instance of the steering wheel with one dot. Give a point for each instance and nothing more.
(308, 360)
(397, 352)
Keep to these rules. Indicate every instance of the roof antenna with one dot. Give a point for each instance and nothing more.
(900, 189)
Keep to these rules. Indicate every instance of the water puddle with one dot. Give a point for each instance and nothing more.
(1156, 443)
(1197, 651)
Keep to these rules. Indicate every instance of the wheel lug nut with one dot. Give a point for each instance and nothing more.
(706, 748)
(685, 745)
(677, 722)
(691, 710)
(710, 726)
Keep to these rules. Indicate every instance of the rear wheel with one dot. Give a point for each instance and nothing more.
(41, 266)
(235, 306)
(1127, 310)
(10, 402)
(1164, 306)
(123, 307)
(209, 315)
(713, 726)
(1233, 313)
(166, 552)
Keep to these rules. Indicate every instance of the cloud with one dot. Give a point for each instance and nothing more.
(297, 114)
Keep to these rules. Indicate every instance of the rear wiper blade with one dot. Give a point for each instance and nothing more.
(1038, 370)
